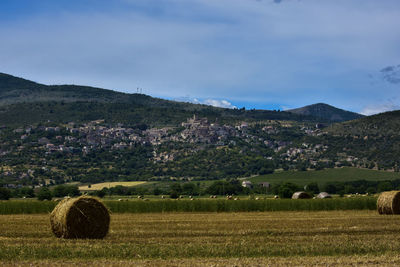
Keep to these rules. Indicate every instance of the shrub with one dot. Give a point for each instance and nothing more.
(312, 188)
(5, 193)
(287, 190)
(173, 194)
(101, 193)
(44, 193)
(66, 190)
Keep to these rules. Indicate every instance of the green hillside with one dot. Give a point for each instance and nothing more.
(370, 139)
(25, 102)
(328, 175)
(326, 112)
(387, 124)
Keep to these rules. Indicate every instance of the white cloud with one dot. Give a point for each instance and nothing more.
(211, 102)
(375, 109)
(219, 103)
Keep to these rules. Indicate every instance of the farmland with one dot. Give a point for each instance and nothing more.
(251, 238)
(328, 175)
(100, 186)
(202, 205)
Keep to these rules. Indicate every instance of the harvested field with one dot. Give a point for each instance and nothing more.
(363, 260)
(100, 186)
(251, 238)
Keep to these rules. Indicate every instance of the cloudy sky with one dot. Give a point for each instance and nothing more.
(264, 54)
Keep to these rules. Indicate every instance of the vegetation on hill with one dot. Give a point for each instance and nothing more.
(59, 134)
(383, 124)
(326, 112)
(374, 140)
(24, 102)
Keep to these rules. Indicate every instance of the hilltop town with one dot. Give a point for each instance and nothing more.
(32, 155)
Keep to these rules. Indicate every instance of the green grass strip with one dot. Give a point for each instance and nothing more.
(202, 205)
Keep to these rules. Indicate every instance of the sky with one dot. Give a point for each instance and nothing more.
(263, 54)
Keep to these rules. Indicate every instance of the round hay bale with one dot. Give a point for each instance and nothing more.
(82, 217)
(389, 202)
(301, 195)
(324, 195)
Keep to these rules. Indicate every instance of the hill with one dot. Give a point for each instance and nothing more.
(326, 112)
(25, 102)
(386, 123)
(67, 133)
(374, 141)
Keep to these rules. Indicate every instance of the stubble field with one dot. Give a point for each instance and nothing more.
(218, 239)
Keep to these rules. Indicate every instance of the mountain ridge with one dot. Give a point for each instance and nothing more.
(21, 94)
(328, 112)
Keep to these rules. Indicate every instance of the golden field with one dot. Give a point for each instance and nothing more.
(100, 186)
(336, 238)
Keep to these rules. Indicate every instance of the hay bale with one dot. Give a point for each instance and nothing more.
(389, 202)
(301, 195)
(324, 195)
(82, 217)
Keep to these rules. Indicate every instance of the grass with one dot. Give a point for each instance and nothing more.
(221, 205)
(204, 238)
(100, 186)
(389, 259)
(202, 205)
(26, 206)
(327, 175)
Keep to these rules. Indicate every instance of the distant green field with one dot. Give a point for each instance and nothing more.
(327, 175)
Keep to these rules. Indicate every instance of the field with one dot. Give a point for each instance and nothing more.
(100, 186)
(202, 205)
(327, 175)
(334, 238)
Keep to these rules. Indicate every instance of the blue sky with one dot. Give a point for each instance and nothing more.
(264, 54)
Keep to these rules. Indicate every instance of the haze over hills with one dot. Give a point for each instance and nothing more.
(25, 101)
(327, 112)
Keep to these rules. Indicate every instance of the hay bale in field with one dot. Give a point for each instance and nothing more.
(324, 195)
(389, 202)
(301, 195)
(82, 217)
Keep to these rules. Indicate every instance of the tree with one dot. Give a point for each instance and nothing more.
(27, 192)
(312, 188)
(66, 190)
(101, 193)
(287, 190)
(176, 187)
(384, 186)
(157, 191)
(44, 193)
(5, 193)
(173, 195)
(331, 188)
(189, 189)
(371, 190)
